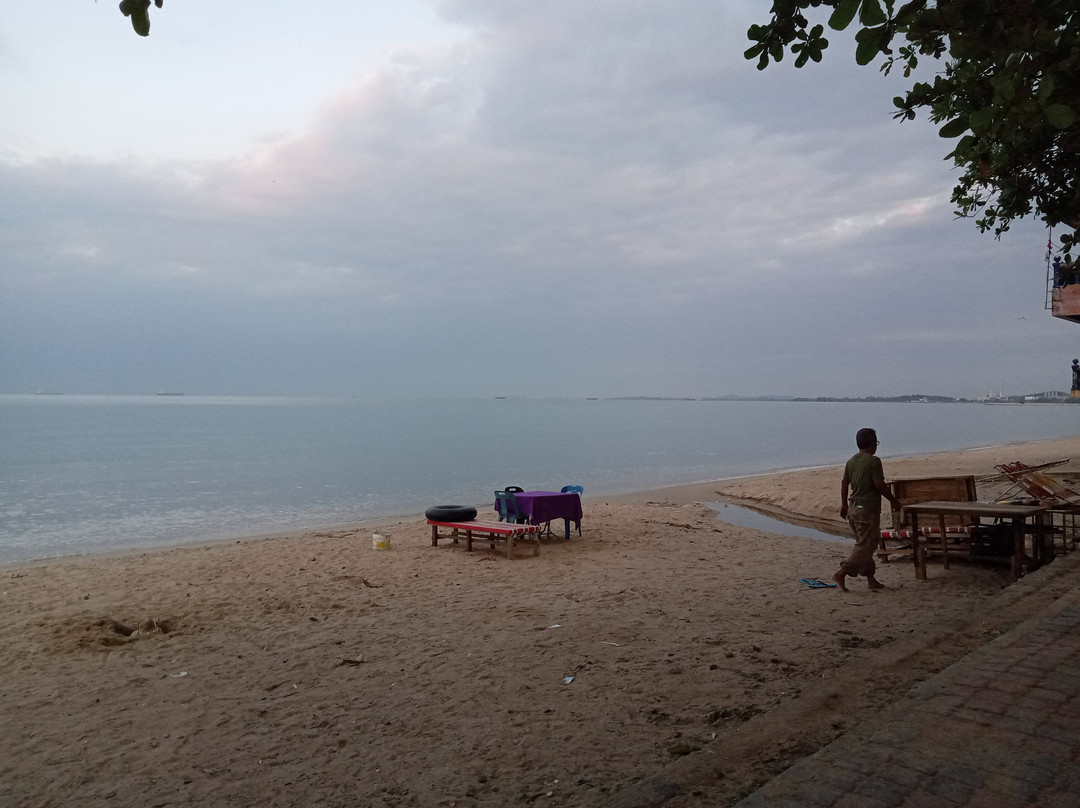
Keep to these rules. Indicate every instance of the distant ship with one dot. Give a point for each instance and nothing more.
(168, 394)
(503, 398)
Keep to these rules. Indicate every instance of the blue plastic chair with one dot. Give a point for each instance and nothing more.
(572, 489)
(508, 508)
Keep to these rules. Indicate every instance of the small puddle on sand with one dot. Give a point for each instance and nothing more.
(747, 517)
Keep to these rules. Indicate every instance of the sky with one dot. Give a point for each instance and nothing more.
(486, 197)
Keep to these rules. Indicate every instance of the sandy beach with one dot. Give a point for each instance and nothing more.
(315, 670)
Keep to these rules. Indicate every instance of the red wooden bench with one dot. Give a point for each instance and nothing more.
(492, 531)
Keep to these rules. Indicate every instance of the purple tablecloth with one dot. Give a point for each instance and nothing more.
(543, 506)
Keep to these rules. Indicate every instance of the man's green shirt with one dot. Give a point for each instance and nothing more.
(861, 471)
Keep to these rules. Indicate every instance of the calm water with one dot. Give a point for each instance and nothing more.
(81, 474)
(748, 517)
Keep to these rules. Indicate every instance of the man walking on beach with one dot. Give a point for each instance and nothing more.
(861, 491)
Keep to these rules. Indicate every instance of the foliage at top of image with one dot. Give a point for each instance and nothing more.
(1008, 90)
(139, 12)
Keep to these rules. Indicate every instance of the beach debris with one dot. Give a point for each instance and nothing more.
(154, 626)
(116, 626)
(369, 584)
(617, 645)
(351, 661)
(109, 632)
(855, 641)
(555, 626)
(739, 714)
(679, 525)
(567, 680)
(683, 748)
(815, 583)
(178, 675)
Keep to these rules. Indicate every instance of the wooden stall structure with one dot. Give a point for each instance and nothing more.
(1039, 486)
(923, 489)
(1004, 542)
(1065, 302)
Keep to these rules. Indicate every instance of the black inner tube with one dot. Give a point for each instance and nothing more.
(450, 513)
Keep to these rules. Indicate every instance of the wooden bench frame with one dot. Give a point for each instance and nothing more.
(951, 533)
(491, 531)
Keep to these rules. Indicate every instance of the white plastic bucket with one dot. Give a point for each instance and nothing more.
(380, 541)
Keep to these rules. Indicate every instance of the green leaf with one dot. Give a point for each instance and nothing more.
(869, 44)
(1060, 116)
(1046, 86)
(908, 12)
(966, 145)
(954, 128)
(843, 14)
(871, 14)
(140, 21)
(982, 118)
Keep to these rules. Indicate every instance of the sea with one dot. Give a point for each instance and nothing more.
(93, 474)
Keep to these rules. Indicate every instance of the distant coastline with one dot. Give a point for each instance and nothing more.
(1050, 397)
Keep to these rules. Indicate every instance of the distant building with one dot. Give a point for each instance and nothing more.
(1050, 396)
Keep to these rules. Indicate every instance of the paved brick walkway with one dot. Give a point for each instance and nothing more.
(999, 729)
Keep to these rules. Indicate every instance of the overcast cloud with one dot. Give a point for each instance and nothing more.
(486, 197)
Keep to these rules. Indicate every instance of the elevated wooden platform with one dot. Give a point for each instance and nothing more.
(1065, 302)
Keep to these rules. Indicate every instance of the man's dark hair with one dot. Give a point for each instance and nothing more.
(865, 438)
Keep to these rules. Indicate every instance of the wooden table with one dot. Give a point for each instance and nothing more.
(541, 507)
(1019, 515)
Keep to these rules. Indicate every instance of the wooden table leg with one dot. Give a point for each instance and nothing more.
(1018, 548)
(434, 535)
(944, 541)
(917, 555)
(1042, 540)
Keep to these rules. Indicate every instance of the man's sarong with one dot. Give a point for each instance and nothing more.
(866, 525)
